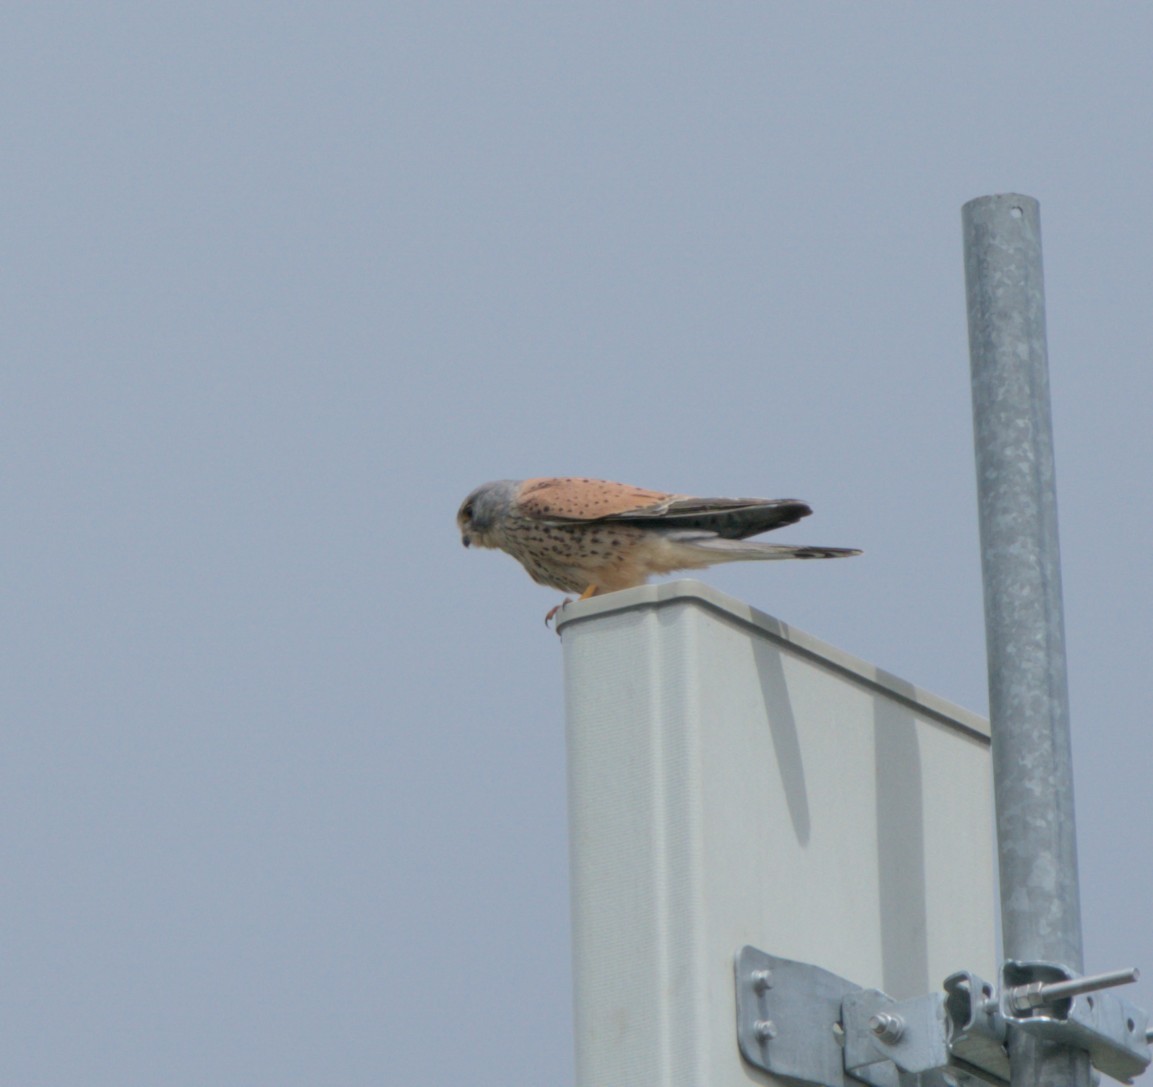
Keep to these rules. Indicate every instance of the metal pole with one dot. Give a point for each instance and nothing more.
(1024, 626)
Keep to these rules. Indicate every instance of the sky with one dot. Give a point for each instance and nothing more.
(282, 784)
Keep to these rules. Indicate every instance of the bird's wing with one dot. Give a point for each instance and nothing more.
(569, 500)
(551, 499)
(732, 518)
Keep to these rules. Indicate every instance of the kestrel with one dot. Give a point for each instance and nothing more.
(590, 536)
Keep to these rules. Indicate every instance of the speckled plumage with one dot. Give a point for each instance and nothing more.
(592, 536)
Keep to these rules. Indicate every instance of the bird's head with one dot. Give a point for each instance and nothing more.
(482, 512)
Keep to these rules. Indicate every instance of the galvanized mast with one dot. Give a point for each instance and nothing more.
(1024, 625)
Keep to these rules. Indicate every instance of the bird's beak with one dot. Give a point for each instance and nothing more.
(466, 540)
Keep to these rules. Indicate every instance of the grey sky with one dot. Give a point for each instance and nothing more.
(282, 780)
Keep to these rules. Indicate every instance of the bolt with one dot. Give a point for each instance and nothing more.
(839, 1034)
(765, 1030)
(1023, 998)
(762, 980)
(887, 1026)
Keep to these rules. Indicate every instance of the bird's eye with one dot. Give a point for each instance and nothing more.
(466, 511)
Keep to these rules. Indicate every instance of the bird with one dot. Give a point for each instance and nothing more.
(592, 536)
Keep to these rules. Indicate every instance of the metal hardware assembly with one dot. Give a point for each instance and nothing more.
(1037, 993)
(798, 1021)
(802, 1004)
(1074, 1011)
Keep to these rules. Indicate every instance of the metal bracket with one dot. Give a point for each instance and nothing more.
(976, 1029)
(908, 1033)
(789, 1018)
(814, 1028)
(1048, 1000)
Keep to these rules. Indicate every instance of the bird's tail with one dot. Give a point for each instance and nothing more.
(719, 549)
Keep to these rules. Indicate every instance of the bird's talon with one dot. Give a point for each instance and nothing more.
(552, 611)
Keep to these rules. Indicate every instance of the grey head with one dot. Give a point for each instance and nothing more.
(482, 512)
